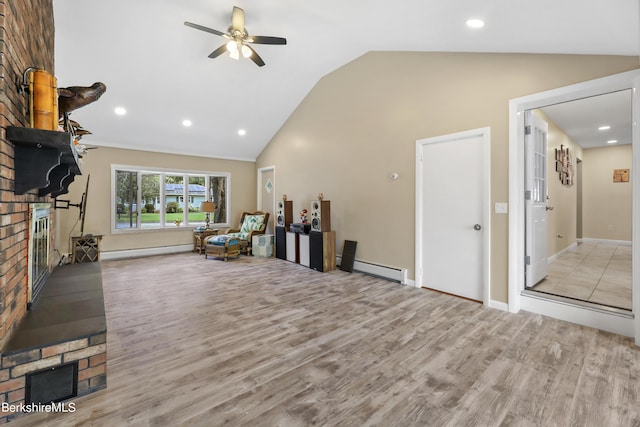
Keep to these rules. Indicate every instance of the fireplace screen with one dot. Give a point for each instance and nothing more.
(38, 258)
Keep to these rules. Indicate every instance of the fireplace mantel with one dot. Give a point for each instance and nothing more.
(44, 160)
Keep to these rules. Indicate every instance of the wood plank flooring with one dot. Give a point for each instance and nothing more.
(265, 342)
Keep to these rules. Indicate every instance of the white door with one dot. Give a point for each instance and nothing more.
(453, 182)
(535, 187)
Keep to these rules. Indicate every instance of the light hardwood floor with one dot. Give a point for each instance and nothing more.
(593, 272)
(265, 342)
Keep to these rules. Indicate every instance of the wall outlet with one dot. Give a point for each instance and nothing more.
(610, 227)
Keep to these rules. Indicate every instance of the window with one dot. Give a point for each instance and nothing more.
(150, 193)
(173, 203)
(126, 185)
(197, 193)
(152, 199)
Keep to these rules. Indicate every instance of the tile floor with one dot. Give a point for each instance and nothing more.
(594, 272)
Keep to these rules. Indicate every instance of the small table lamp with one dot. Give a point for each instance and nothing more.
(207, 207)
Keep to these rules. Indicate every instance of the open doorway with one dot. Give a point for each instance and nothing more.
(622, 322)
(587, 208)
(267, 195)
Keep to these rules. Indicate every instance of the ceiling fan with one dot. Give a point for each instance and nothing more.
(239, 39)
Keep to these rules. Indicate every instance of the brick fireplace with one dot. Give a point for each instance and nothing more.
(65, 326)
(28, 41)
(32, 341)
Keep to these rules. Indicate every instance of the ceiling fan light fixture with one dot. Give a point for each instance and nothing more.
(237, 35)
(232, 46)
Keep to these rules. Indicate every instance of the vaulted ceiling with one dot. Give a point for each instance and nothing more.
(158, 70)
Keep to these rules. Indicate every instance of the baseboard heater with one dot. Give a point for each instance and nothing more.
(136, 253)
(391, 273)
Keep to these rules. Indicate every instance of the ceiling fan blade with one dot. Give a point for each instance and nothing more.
(267, 40)
(255, 57)
(219, 51)
(237, 19)
(208, 30)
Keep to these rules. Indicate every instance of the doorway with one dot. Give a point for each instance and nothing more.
(595, 268)
(453, 214)
(624, 323)
(267, 195)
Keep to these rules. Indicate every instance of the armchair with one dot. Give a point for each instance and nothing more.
(251, 224)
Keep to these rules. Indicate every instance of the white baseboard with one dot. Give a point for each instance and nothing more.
(136, 253)
(554, 257)
(393, 273)
(498, 305)
(606, 241)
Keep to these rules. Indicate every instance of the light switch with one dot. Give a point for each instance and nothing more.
(502, 208)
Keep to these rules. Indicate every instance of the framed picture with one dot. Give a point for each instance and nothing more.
(621, 175)
(564, 165)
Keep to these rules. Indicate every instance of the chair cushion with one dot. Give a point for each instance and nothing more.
(250, 223)
(238, 235)
(222, 240)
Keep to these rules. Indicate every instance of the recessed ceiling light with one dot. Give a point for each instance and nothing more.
(475, 23)
(121, 111)
(604, 128)
(612, 141)
(242, 132)
(186, 123)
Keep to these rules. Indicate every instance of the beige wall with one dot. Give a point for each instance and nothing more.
(97, 163)
(361, 122)
(561, 231)
(606, 205)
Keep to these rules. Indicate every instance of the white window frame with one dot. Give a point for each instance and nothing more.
(140, 170)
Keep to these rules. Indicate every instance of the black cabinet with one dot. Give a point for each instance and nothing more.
(281, 243)
(322, 250)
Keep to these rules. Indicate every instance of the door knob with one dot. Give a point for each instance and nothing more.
(477, 227)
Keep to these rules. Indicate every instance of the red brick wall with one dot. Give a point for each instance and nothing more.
(26, 40)
(90, 353)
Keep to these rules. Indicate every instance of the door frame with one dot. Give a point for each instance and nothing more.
(609, 321)
(485, 134)
(261, 172)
